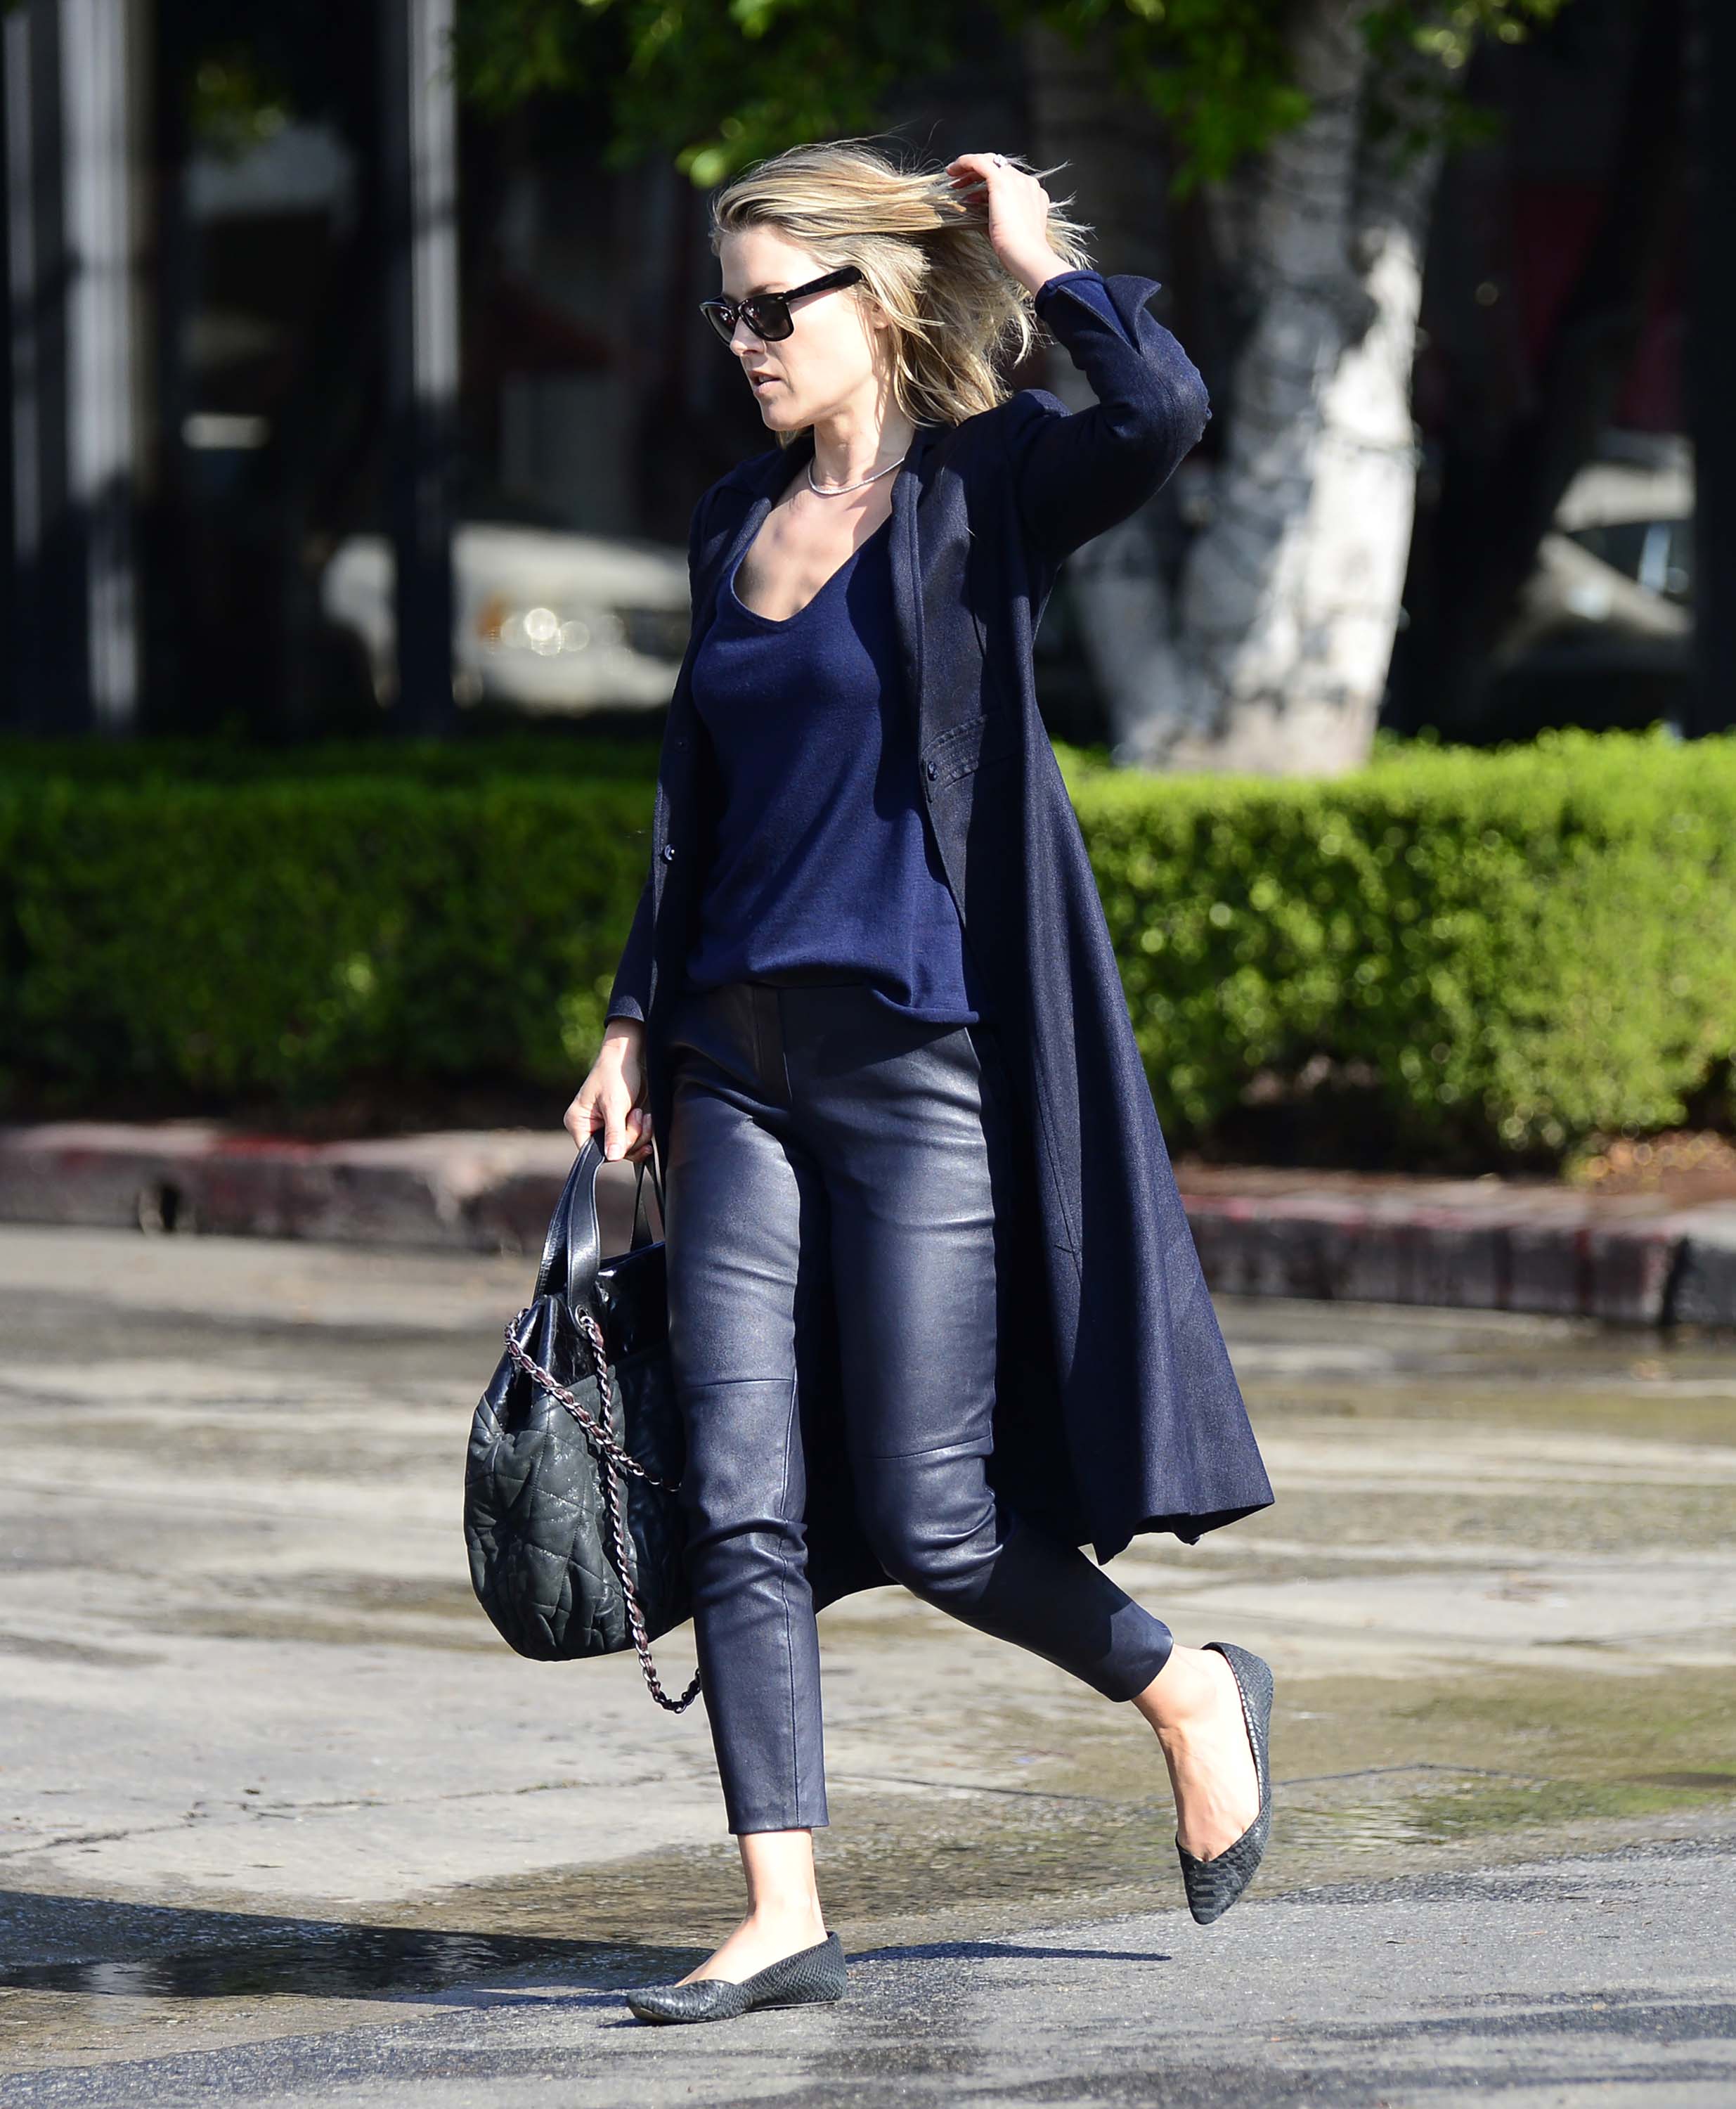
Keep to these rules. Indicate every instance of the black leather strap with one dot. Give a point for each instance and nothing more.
(573, 1250)
(641, 1222)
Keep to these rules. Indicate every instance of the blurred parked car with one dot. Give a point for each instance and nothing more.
(544, 620)
(1602, 635)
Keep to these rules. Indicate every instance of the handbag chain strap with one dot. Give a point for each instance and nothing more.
(612, 1458)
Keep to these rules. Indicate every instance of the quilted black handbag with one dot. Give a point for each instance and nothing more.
(574, 1533)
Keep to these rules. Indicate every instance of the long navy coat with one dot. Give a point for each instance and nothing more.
(1117, 1411)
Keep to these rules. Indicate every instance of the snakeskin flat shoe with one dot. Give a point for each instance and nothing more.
(1213, 1885)
(810, 1976)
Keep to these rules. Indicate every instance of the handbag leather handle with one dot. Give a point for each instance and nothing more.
(573, 1250)
(556, 1275)
(641, 1221)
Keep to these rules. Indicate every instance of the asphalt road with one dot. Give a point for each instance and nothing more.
(282, 1820)
(1604, 1979)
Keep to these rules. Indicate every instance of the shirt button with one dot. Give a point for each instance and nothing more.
(668, 852)
(931, 768)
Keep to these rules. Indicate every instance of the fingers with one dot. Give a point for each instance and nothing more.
(637, 1134)
(1018, 210)
(979, 168)
(579, 1119)
(605, 1101)
(613, 1127)
(626, 1130)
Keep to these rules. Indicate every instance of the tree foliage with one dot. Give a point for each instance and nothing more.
(718, 83)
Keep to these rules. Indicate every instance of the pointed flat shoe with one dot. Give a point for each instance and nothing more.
(803, 1979)
(1213, 1885)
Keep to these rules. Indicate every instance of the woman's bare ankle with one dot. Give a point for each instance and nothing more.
(791, 1915)
(1185, 1692)
(770, 1932)
(1195, 1705)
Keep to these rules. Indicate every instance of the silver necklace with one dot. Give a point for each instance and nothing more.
(838, 489)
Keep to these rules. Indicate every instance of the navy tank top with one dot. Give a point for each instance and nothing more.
(826, 867)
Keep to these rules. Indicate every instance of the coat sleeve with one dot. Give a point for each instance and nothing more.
(1089, 287)
(1076, 473)
(631, 990)
(629, 994)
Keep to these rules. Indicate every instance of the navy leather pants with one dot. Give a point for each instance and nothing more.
(822, 1145)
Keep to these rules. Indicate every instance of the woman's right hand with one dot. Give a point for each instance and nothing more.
(610, 1097)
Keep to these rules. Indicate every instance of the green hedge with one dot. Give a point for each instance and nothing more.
(289, 939)
(1527, 947)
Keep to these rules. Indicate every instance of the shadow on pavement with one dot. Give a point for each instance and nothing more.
(166, 1951)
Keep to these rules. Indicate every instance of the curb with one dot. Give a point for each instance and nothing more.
(1556, 1255)
(482, 1192)
(1461, 1244)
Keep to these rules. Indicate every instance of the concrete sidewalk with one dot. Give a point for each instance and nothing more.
(1484, 1245)
(283, 1821)
(1598, 1982)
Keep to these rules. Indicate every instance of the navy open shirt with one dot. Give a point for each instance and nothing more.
(826, 867)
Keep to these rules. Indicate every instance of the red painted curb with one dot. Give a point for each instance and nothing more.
(1466, 1244)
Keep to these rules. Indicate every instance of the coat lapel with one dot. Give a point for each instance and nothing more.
(907, 577)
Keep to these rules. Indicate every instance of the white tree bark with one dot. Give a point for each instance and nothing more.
(1291, 597)
(1274, 657)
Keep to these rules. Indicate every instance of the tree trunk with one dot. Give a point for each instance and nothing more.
(1273, 654)
(1291, 597)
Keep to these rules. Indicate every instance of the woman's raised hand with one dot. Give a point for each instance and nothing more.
(610, 1097)
(1018, 215)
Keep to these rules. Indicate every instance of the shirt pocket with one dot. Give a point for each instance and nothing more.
(990, 736)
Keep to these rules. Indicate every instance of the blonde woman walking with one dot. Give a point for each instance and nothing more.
(935, 1316)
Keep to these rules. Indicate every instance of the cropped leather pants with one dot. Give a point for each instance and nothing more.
(821, 1145)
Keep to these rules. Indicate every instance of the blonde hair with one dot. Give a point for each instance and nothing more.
(924, 253)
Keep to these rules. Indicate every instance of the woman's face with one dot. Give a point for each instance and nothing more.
(829, 355)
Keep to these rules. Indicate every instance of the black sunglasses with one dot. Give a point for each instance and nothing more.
(767, 315)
